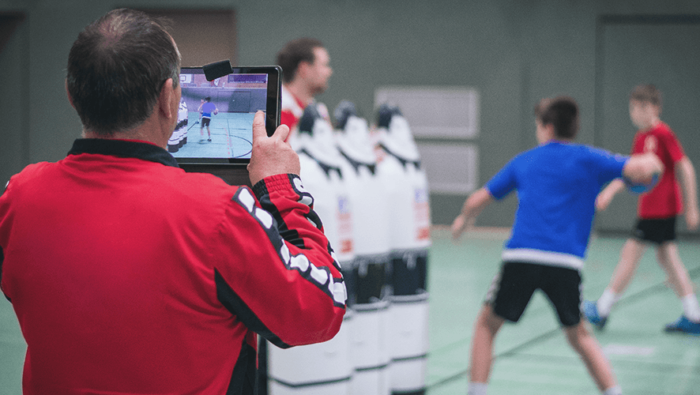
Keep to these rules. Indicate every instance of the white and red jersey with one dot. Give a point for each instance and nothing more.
(665, 200)
(293, 109)
(130, 276)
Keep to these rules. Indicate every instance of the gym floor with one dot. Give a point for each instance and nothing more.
(532, 357)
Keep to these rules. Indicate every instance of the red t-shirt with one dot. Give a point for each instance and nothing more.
(665, 200)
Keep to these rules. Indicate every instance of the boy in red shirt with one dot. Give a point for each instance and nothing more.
(657, 211)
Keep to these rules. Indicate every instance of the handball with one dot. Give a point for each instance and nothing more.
(639, 188)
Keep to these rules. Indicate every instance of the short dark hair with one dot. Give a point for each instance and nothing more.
(562, 113)
(116, 69)
(647, 93)
(295, 52)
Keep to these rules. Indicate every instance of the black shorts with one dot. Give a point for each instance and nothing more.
(514, 285)
(657, 231)
(205, 121)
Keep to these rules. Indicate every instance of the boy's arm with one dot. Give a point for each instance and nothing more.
(608, 193)
(686, 173)
(639, 168)
(471, 209)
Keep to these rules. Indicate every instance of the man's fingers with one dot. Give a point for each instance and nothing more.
(259, 130)
(259, 126)
(282, 132)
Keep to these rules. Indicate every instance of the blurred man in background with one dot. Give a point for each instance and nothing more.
(306, 67)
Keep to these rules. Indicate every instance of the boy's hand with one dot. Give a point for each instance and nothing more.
(603, 201)
(606, 196)
(460, 225)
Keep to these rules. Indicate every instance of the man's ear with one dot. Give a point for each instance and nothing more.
(303, 69)
(70, 99)
(167, 95)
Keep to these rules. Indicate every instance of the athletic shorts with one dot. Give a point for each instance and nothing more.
(514, 285)
(205, 121)
(656, 231)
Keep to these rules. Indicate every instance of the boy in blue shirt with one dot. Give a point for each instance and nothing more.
(206, 109)
(557, 184)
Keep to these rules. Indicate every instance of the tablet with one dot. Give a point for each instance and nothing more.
(215, 117)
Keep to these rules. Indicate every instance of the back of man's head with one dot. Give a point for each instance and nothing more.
(116, 69)
(647, 94)
(560, 112)
(295, 52)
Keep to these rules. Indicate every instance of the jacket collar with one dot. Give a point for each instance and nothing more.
(123, 149)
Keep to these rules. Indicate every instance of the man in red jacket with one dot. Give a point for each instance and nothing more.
(130, 276)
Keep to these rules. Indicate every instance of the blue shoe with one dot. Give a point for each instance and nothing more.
(591, 311)
(684, 325)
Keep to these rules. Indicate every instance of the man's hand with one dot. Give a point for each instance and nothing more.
(270, 155)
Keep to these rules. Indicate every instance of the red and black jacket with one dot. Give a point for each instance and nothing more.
(129, 275)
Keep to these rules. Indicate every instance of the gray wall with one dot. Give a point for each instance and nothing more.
(513, 51)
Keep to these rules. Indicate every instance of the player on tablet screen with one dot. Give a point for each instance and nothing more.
(206, 109)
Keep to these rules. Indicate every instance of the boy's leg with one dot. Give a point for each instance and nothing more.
(485, 330)
(630, 256)
(670, 261)
(597, 364)
(506, 299)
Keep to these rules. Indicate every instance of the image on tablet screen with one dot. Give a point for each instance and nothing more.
(215, 118)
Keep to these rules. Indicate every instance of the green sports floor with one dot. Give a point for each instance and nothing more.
(532, 357)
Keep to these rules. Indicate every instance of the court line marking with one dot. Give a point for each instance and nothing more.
(635, 297)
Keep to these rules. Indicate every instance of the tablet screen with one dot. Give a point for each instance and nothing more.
(215, 117)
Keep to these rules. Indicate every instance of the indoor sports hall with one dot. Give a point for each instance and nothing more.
(457, 84)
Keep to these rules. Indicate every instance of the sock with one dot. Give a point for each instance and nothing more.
(616, 390)
(691, 309)
(477, 389)
(606, 302)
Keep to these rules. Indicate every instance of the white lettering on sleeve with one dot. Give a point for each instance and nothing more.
(318, 275)
(264, 217)
(247, 199)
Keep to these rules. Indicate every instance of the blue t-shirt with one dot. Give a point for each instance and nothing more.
(207, 109)
(557, 184)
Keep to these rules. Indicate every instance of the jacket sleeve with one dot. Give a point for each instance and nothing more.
(289, 288)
